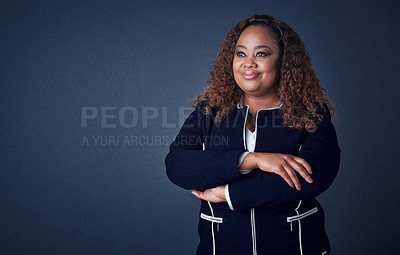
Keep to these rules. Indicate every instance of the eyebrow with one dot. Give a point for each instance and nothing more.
(256, 47)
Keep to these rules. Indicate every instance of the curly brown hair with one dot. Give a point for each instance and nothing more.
(298, 86)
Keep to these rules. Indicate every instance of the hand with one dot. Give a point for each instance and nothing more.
(284, 165)
(215, 195)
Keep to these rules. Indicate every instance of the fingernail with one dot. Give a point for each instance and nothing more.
(299, 188)
(309, 179)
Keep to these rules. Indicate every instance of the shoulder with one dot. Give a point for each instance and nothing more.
(201, 106)
(323, 109)
(319, 117)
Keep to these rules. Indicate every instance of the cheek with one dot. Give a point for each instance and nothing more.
(236, 72)
(271, 66)
(235, 66)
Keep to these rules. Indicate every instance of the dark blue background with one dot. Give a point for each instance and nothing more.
(56, 57)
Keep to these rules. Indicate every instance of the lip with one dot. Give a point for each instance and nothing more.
(248, 75)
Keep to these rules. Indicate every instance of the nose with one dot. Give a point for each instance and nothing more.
(249, 62)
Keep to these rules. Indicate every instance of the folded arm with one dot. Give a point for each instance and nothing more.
(191, 167)
(320, 149)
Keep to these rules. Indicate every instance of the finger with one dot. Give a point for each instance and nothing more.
(196, 193)
(292, 174)
(199, 194)
(303, 162)
(299, 168)
(285, 176)
(207, 195)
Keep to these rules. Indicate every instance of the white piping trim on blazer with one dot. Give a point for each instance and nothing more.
(240, 105)
(252, 214)
(244, 127)
(253, 231)
(211, 218)
(212, 227)
(212, 212)
(300, 216)
(228, 199)
(301, 248)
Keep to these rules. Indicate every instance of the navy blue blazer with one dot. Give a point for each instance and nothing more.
(269, 217)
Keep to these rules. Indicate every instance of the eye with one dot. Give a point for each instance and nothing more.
(240, 54)
(262, 54)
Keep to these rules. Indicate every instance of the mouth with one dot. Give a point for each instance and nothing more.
(248, 75)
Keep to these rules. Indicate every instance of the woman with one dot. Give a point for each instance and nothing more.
(257, 135)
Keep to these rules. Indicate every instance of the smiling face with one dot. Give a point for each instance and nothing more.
(256, 61)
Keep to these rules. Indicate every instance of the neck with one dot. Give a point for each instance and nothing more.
(264, 102)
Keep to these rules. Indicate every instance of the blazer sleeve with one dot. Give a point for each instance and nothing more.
(322, 152)
(191, 167)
